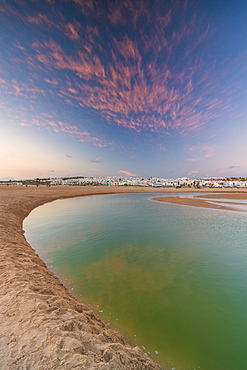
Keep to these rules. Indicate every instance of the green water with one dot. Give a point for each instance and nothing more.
(171, 278)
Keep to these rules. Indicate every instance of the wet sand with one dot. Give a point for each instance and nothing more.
(201, 200)
(43, 325)
(226, 196)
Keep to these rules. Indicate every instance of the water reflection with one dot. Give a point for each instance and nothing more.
(172, 279)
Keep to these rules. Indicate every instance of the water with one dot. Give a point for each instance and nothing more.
(171, 278)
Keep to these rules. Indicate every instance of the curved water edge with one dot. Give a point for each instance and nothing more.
(177, 285)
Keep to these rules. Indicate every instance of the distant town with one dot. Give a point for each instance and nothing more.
(212, 182)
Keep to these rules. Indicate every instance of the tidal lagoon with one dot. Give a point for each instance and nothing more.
(171, 278)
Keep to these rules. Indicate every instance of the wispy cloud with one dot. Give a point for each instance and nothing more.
(192, 173)
(228, 170)
(161, 147)
(51, 81)
(137, 83)
(56, 125)
(129, 94)
(97, 160)
(39, 19)
(126, 173)
(71, 130)
(72, 30)
(201, 152)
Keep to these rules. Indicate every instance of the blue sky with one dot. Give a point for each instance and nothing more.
(150, 88)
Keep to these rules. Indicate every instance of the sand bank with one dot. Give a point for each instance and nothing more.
(226, 196)
(201, 200)
(43, 325)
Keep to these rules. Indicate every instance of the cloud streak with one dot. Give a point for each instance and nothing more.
(97, 160)
(192, 173)
(126, 173)
(201, 152)
(71, 130)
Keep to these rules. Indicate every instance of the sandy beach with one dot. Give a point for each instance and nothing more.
(43, 325)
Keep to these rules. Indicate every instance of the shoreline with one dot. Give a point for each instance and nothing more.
(44, 325)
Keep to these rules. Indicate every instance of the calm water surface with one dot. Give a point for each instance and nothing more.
(171, 278)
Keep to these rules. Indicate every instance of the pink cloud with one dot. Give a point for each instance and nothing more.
(192, 173)
(51, 81)
(161, 147)
(223, 170)
(134, 82)
(21, 89)
(97, 160)
(40, 19)
(58, 126)
(235, 169)
(72, 30)
(126, 173)
(126, 91)
(200, 152)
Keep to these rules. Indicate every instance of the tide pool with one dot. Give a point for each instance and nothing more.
(171, 278)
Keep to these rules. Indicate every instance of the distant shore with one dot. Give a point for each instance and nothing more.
(43, 325)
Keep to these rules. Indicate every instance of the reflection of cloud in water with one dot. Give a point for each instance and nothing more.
(64, 241)
(132, 272)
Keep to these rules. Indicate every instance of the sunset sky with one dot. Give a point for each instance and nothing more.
(104, 87)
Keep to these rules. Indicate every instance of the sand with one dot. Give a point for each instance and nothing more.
(226, 196)
(201, 200)
(43, 325)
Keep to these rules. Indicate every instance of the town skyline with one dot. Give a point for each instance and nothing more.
(107, 88)
(213, 182)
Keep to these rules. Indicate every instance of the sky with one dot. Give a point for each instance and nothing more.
(123, 87)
